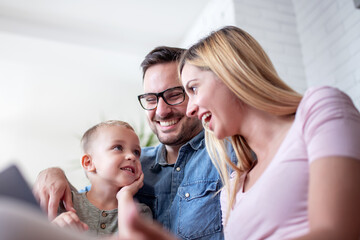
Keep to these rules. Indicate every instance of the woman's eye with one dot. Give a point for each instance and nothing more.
(118, 147)
(193, 89)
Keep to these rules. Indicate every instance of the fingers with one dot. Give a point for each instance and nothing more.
(68, 200)
(50, 188)
(133, 188)
(56, 195)
(141, 181)
(70, 220)
(53, 204)
(141, 178)
(43, 198)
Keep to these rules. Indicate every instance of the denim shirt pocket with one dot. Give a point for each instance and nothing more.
(199, 210)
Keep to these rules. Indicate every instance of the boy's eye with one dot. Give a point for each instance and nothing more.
(137, 153)
(118, 147)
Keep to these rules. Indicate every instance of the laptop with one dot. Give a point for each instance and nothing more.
(13, 185)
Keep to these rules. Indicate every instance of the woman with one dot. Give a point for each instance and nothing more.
(305, 181)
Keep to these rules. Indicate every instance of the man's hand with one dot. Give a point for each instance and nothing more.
(51, 187)
(70, 219)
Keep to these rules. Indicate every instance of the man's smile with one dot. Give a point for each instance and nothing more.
(168, 123)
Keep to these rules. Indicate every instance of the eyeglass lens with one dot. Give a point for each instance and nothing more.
(171, 96)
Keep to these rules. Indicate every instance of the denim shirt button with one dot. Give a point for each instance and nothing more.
(187, 195)
(178, 169)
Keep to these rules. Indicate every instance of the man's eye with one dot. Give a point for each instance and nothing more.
(118, 147)
(150, 99)
(175, 96)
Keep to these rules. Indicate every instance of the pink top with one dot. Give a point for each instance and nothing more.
(275, 207)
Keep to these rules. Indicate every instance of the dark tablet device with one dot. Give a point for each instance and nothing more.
(13, 185)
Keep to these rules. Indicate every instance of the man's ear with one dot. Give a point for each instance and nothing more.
(87, 163)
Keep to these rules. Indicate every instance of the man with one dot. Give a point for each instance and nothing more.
(180, 180)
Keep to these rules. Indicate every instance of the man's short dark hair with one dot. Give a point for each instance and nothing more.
(162, 54)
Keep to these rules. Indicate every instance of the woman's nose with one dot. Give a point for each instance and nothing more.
(191, 109)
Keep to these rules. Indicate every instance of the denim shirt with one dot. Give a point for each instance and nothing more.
(182, 195)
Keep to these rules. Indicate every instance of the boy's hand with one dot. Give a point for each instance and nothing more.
(51, 187)
(133, 188)
(70, 219)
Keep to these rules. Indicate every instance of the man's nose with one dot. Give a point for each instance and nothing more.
(162, 108)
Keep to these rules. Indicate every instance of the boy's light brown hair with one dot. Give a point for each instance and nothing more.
(90, 133)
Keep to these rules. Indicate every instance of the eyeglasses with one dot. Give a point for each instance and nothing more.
(172, 96)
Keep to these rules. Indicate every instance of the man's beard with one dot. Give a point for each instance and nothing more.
(188, 129)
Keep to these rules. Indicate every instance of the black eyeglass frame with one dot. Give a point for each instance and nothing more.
(161, 94)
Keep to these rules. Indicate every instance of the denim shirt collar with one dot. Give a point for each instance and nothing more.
(195, 143)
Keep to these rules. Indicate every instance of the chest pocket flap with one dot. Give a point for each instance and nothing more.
(197, 189)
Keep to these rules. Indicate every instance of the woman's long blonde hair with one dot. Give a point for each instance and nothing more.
(239, 61)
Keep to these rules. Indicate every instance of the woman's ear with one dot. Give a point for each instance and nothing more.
(87, 163)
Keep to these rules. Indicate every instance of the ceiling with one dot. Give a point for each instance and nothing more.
(131, 26)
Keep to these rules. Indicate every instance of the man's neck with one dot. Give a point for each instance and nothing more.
(172, 153)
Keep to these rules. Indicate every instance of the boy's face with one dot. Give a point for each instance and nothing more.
(115, 152)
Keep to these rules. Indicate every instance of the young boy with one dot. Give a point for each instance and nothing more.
(111, 160)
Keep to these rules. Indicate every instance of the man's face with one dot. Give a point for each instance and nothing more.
(169, 123)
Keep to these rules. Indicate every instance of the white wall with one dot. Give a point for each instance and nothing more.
(216, 14)
(310, 42)
(51, 92)
(330, 39)
(273, 24)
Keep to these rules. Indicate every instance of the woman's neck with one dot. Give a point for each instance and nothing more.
(267, 134)
(266, 139)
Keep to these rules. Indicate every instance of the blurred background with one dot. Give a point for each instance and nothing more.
(67, 65)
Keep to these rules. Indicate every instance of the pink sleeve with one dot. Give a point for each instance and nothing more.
(331, 124)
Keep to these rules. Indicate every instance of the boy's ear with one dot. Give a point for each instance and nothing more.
(87, 163)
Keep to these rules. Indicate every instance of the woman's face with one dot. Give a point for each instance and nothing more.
(211, 101)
